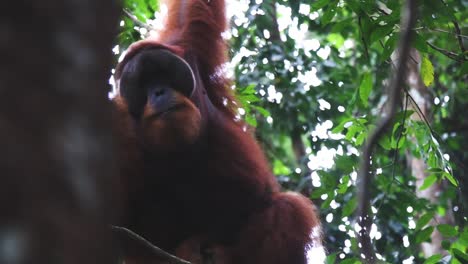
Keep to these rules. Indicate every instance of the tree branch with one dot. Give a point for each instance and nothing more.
(460, 40)
(158, 252)
(364, 181)
(457, 29)
(136, 20)
(441, 30)
(449, 54)
(395, 153)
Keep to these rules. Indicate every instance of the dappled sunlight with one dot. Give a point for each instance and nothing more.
(409, 260)
(309, 78)
(237, 10)
(324, 52)
(315, 252)
(324, 159)
(273, 95)
(316, 255)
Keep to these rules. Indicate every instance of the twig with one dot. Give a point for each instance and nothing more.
(395, 154)
(460, 40)
(448, 32)
(136, 20)
(366, 50)
(441, 30)
(457, 29)
(154, 249)
(449, 54)
(439, 139)
(364, 218)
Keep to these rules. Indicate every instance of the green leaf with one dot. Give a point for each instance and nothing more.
(353, 5)
(433, 259)
(327, 202)
(360, 138)
(319, 4)
(395, 127)
(340, 127)
(432, 159)
(436, 170)
(394, 137)
(338, 27)
(352, 131)
(427, 71)
(331, 259)
(349, 207)
(250, 98)
(343, 187)
(460, 256)
(441, 210)
(346, 164)
(447, 230)
(250, 119)
(385, 143)
(464, 236)
(401, 143)
(450, 177)
(446, 244)
(317, 193)
(389, 47)
(350, 261)
(380, 32)
(336, 40)
(154, 5)
(366, 26)
(365, 88)
(262, 111)
(328, 180)
(424, 234)
(420, 43)
(279, 168)
(329, 14)
(464, 68)
(428, 182)
(250, 89)
(424, 220)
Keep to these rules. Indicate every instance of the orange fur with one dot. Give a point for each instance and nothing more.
(181, 129)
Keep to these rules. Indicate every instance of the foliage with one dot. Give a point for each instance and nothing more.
(310, 76)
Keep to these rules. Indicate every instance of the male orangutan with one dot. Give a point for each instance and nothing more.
(199, 185)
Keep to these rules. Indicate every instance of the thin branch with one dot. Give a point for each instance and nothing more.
(460, 40)
(458, 34)
(364, 182)
(136, 20)
(275, 33)
(431, 130)
(395, 154)
(420, 113)
(154, 249)
(459, 163)
(423, 117)
(457, 29)
(366, 50)
(449, 54)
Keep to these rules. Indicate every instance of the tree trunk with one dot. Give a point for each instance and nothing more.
(56, 157)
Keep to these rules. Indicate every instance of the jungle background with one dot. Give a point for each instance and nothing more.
(311, 78)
